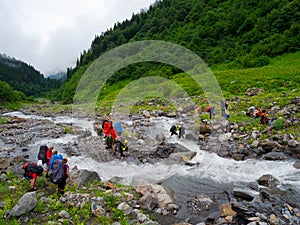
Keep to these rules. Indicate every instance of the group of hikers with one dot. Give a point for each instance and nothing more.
(258, 113)
(177, 130)
(251, 112)
(211, 110)
(55, 166)
(112, 137)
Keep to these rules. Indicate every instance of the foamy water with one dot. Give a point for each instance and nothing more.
(207, 165)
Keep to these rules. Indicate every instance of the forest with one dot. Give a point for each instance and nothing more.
(20, 80)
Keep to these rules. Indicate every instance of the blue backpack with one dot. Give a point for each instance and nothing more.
(54, 157)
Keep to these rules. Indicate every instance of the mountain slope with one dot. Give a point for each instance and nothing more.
(23, 77)
(243, 33)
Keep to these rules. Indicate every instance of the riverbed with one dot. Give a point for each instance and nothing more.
(207, 172)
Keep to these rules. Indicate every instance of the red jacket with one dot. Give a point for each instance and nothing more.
(106, 128)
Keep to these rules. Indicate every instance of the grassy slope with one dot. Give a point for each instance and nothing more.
(280, 81)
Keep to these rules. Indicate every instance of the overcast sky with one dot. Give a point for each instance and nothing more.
(51, 34)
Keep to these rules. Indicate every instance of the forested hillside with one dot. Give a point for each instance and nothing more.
(241, 34)
(22, 77)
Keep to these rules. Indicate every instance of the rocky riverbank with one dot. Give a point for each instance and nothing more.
(261, 202)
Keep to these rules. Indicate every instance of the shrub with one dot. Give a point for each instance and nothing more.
(278, 124)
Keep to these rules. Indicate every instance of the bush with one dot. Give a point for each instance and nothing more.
(278, 124)
(252, 61)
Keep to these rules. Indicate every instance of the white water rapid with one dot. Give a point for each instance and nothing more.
(207, 165)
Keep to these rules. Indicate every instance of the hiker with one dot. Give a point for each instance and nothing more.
(258, 112)
(59, 172)
(106, 126)
(48, 158)
(118, 127)
(122, 148)
(204, 122)
(110, 134)
(264, 117)
(31, 172)
(211, 111)
(224, 107)
(181, 131)
(42, 154)
(174, 130)
(62, 183)
(251, 111)
(113, 139)
(55, 156)
(198, 110)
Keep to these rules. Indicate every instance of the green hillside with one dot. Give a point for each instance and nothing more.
(22, 77)
(241, 34)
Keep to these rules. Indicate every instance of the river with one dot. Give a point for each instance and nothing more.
(209, 169)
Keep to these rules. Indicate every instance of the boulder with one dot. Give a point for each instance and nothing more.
(27, 203)
(274, 156)
(243, 194)
(254, 144)
(268, 181)
(226, 210)
(268, 145)
(4, 163)
(163, 195)
(84, 176)
(293, 146)
(297, 164)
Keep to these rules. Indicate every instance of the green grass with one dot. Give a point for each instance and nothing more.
(53, 207)
(282, 75)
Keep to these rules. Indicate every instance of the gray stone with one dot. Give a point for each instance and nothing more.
(274, 156)
(243, 194)
(2, 204)
(293, 143)
(268, 145)
(297, 164)
(142, 217)
(224, 137)
(268, 181)
(148, 202)
(97, 209)
(64, 214)
(254, 144)
(27, 203)
(125, 208)
(86, 176)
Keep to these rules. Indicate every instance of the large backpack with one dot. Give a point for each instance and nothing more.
(53, 158)
(42, 153)
(173, 128)
(57, 171)
(122, 147)
(32, 168)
